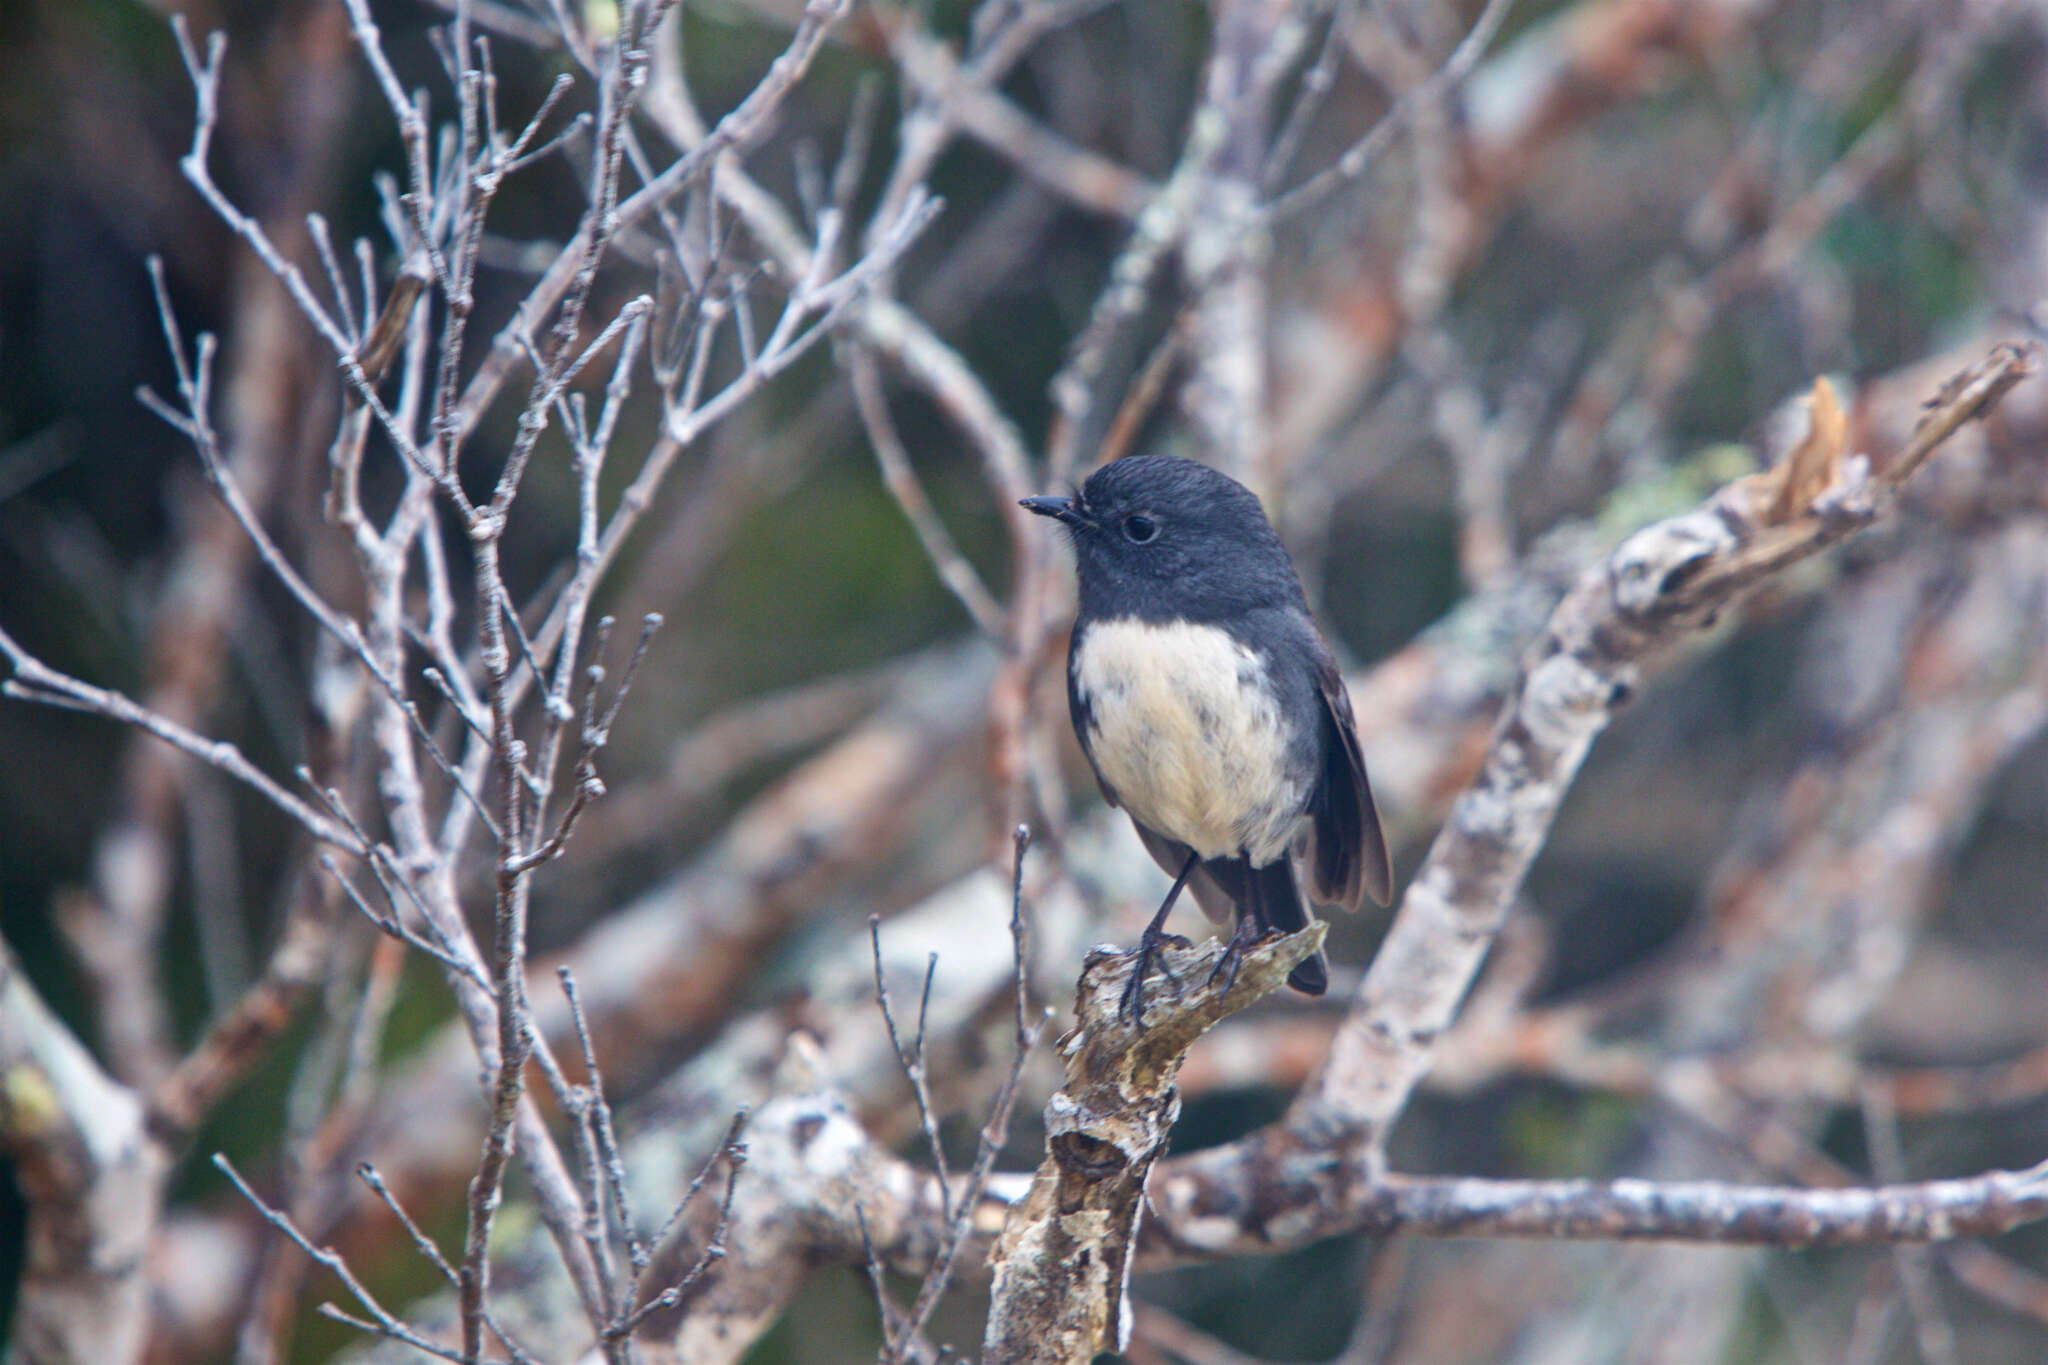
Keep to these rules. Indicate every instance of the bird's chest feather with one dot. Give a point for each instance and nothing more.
(1182, 722)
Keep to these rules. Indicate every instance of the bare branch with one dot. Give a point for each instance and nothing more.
(912, 1059)
(1359, 156)
(91, 1177)
(1708, 1211)
(1659, 585)
(1062, 1266)
(960, 1219)
(35, 681)
(381, 1321)
(902, 482)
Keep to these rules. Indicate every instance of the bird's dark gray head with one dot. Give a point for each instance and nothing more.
(1159, 537)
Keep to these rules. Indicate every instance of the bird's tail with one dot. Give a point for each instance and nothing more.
(1269, 895)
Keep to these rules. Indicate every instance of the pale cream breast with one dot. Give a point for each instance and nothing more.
(1185, 730)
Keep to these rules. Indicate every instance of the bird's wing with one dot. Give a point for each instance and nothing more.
(1347, 852)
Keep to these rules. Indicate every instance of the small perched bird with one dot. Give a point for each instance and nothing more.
(1211, 708)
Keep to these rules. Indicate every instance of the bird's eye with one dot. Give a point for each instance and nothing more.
(1138, 530)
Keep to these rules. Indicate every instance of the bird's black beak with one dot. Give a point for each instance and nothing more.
(1059, 509)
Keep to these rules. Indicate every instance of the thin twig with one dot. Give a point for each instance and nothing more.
(607, 1138)
(995, 1133)
(1359, 155)
(734, 1153)
(1315, 88)
(383, 1322)
(35, 681)
(900, 478)
(911, 1059)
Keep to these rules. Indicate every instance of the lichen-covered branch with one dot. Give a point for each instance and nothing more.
(1062, 1267)
(92, 1178)
(1659, 586)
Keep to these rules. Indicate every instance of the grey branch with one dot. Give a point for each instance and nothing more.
(1062, 1266)
(1713, 1211)
(92, 1179)
(1657, 588)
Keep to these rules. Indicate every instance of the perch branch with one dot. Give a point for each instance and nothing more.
(1062, 1266)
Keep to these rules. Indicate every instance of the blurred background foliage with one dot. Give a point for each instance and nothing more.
(798, 567)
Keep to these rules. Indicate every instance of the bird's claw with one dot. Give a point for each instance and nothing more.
(1233, 955)
(1147, 956)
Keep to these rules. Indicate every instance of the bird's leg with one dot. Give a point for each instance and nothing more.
(1251, 923)
(1244, 936)
(1149, 943)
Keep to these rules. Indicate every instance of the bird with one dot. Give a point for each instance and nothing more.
(1210, 706)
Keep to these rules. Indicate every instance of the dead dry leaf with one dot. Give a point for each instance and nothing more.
(1788, 489)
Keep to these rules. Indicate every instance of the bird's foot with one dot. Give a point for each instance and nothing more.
(1242, 938)
(1147, 956)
